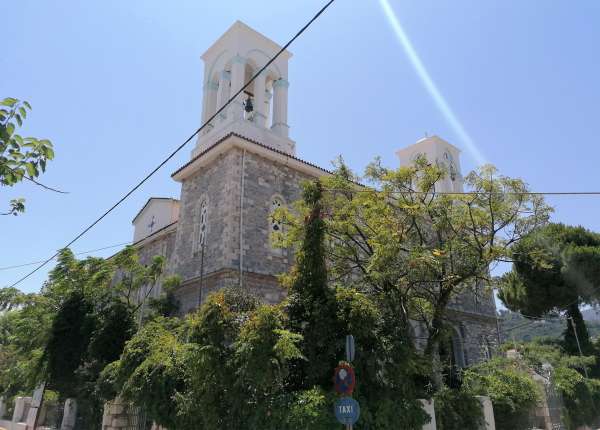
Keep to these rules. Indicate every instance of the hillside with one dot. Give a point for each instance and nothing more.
(514, 326)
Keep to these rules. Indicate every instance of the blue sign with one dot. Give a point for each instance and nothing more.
(347, 410)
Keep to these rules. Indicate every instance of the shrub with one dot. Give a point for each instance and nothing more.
(510, 387)
(457, 410)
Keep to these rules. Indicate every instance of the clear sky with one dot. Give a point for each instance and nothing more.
(116, 85)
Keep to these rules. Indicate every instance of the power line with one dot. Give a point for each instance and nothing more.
(180, 147)
(77, 253)
(31, 179)
(472, 193)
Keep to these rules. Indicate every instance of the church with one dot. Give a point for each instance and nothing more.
(243, 167)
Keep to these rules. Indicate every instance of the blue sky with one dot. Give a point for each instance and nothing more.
(117, 85)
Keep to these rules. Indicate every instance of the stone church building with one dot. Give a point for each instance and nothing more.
(243, 167)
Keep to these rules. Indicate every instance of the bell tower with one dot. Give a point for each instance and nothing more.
(437, 150)
(260, 112)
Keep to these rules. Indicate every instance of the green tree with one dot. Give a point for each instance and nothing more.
(555, 268)
(229, 360)
(20, 157)
(414, 249)
(511, 388)
(323, 310)
(311, 304)
(457, 410)
(580, 395)
(78, 324)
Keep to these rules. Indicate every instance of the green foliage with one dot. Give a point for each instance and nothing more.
(68, 333)
(20, 157)
(510, 387)
(311, 306)
(311, 410)
(411, 248)
(229, 360)
(457, 410)
(522, 329)
(555, 269)
(67, 344)
(166, 305)
(581, 395)
(151, 370)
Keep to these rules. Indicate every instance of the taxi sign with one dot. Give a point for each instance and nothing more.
(347, 410)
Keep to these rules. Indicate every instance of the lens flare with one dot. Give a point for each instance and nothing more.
(429, 84)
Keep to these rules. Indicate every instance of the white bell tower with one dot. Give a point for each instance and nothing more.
(260, 112)
(437, 150)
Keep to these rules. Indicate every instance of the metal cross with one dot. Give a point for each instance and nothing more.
(151, 225)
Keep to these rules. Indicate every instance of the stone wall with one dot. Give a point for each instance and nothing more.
(265, 287)
(221, 185)
(263, 181)
(119, 415)
(478, 335)
(478, 300)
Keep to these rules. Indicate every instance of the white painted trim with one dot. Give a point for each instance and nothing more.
(149, 239)
(234, 141)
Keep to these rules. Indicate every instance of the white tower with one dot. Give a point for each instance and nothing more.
(437, 150)
(228, 64)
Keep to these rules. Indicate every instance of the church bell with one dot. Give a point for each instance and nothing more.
(248, 107)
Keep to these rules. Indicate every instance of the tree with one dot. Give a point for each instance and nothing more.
(323, 310)
(246, 365)
(311, 303)
(413, 249)
(511, 388)
(580, 394)
(20, 158)
(68, 333)
(229, 360)
(556, 268)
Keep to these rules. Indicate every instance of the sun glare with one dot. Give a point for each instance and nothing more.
(430, 85)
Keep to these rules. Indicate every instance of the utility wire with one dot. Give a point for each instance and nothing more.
(180, 147)
(30, 178)
(78, 253)
(471, 193)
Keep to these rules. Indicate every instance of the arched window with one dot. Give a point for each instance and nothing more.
(203, 223)
(486, 348)
(458, 350)
(201, 227)
(275, 225)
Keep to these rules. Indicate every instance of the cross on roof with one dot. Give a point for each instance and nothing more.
(152, 223)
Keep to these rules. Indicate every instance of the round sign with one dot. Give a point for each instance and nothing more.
(344, 379)
(347, 410)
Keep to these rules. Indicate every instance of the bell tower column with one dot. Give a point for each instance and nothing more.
(224, 91)
(210, 100)
(238, 72)
(260, 118)
(260, 113)
(280, 99)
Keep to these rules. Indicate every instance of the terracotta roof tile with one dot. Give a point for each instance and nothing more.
(227, 136)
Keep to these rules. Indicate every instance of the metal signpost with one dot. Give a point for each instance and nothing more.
(349, 348)
(346, 409)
